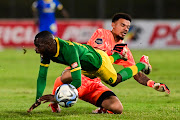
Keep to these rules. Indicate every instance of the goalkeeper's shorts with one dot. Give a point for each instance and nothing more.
(93, 91)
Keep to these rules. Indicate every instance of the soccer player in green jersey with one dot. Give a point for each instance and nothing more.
(93, 62)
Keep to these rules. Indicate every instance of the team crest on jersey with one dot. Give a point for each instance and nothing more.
(99, 41)
(74, 65)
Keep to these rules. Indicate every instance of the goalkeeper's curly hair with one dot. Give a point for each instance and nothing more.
(117, 16)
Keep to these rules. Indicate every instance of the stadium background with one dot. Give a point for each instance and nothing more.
(155, 26)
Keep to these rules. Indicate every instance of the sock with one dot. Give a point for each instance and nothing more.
(128, 72)
(57, 83)
(150, 83)
(114, 57)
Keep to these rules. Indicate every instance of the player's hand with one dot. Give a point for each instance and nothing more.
(121, 49)
(37, 103)
(44, 99)
(47, 98)
(161, 87)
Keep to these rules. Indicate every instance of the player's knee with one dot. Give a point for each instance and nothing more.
(118, 108)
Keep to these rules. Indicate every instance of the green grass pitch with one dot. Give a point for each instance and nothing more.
(18, 74)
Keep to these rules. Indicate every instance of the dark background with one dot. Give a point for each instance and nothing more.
(99, 9)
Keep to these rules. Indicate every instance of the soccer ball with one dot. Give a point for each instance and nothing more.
(66, 95)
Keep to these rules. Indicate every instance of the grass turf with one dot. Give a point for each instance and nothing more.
(18, 74)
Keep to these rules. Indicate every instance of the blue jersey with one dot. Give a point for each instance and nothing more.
(46, 12)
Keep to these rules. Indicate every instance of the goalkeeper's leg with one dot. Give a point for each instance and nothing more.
(110, 105)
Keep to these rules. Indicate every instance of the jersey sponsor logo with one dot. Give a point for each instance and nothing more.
(99, 41)
(74, 65)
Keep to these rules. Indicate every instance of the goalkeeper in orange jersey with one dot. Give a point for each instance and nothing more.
(93, 62)
(91, 90)
(106, 40)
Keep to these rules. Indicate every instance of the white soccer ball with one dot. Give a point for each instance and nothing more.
(66, 95)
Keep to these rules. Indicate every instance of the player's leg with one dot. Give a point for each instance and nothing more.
(128, 72)
(109, 103)
(141, 77)
(108, 74)
(96, 93)
(112, 103)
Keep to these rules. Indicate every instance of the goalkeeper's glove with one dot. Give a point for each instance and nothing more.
(121, 49)
(161, 87)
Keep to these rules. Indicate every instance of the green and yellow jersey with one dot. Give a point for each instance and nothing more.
(77, 56)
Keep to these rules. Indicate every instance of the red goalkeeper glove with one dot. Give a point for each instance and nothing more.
(121, 49)
(161, 87)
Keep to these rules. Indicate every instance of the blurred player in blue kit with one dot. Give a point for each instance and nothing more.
(44, 14)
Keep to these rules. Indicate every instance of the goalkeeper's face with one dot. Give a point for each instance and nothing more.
(121, 27)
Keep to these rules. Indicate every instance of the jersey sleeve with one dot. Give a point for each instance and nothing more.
(72, 57)
(41, 80)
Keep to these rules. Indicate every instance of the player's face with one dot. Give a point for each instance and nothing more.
(39, 49)
(121, 27)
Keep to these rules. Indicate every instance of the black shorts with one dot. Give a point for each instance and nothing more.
(103, 97)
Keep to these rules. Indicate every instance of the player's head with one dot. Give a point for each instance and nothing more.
(121, 24)
(44, 42)
(118, 16)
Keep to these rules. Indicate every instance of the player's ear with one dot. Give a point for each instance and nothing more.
(112, 24)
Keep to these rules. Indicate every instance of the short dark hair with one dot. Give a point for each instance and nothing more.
(44, 37)
(117, 16)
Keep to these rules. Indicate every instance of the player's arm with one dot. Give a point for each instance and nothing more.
(41, 80)
(72, 57)
(44, 99)
(63, 10)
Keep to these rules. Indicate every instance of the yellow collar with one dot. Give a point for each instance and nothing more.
(58, 47)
